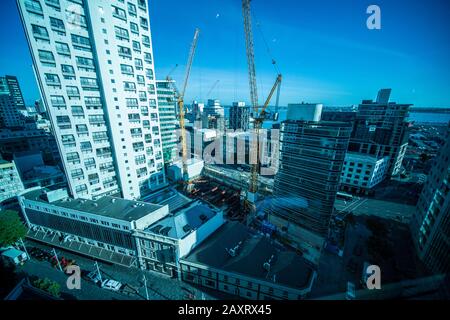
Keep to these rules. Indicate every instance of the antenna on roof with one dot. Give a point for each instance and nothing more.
(266, 265)
(233, 251)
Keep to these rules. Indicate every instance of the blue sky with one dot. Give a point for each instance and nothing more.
(323, 49)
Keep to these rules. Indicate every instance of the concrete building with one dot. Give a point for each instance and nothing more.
(361, 172)
(10, 183)
(35, 173)
(312, 154)
(120, 231)
(199, 139)
(239, 118)
(241, 263)
(11, 103)
(195, 116)
(100, 228)
(430, 225)
(10, 85)
(94, 66)
(162, 244)
(194, 169)
(29, 139)
(167, 104)
(381, 129)
(213, 116)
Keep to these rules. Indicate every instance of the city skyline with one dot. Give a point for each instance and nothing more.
(401, 54)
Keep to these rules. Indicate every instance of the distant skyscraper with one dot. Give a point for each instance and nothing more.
(11, 103)
(239, 116)
(94, 65)
(311, 156)
(381, 130)
(430, 225)
(213, 116)
(167, 104)
(10, 85)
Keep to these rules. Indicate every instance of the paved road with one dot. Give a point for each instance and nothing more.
(383, 209)
(159, 287)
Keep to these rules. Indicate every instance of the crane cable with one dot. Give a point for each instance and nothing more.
(269, 52)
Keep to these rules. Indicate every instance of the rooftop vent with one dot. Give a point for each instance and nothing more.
(187, 228)
(113, 200)
(95, 204)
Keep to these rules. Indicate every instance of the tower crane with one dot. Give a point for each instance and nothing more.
(259, 113)
(180, 104)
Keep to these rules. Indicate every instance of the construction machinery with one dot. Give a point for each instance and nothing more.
(181, 111)
(259, 113)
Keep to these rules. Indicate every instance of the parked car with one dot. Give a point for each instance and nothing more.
(111, 285)
(94, 277)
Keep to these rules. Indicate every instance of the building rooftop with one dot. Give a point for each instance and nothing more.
(252, 251)
(2, 161)
(183, 221)
(112, 207)
(169, 196)
(362, 157)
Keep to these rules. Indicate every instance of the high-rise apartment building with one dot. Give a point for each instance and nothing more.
(11, 103)
(381, 129)
(213, 115)
(94, 65)
(239, 116)
(430, 225)
(312, 153)
(167, 104)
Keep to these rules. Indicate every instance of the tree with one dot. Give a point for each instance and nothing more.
(11, 228)
(48, 285)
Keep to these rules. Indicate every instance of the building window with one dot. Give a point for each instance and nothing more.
(68, 72)
(119, 13)
(52, 80)
(134, 28)
(57, 26)
(144, 23)
(47, 58)
(40, 32)
(121, 33)
(136, 46)
(132, 10)
(62, 48)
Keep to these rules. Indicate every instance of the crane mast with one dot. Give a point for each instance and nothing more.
(180, 103)
(259, 115)
(250, 54)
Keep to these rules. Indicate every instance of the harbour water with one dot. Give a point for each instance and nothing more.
(416, 117)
